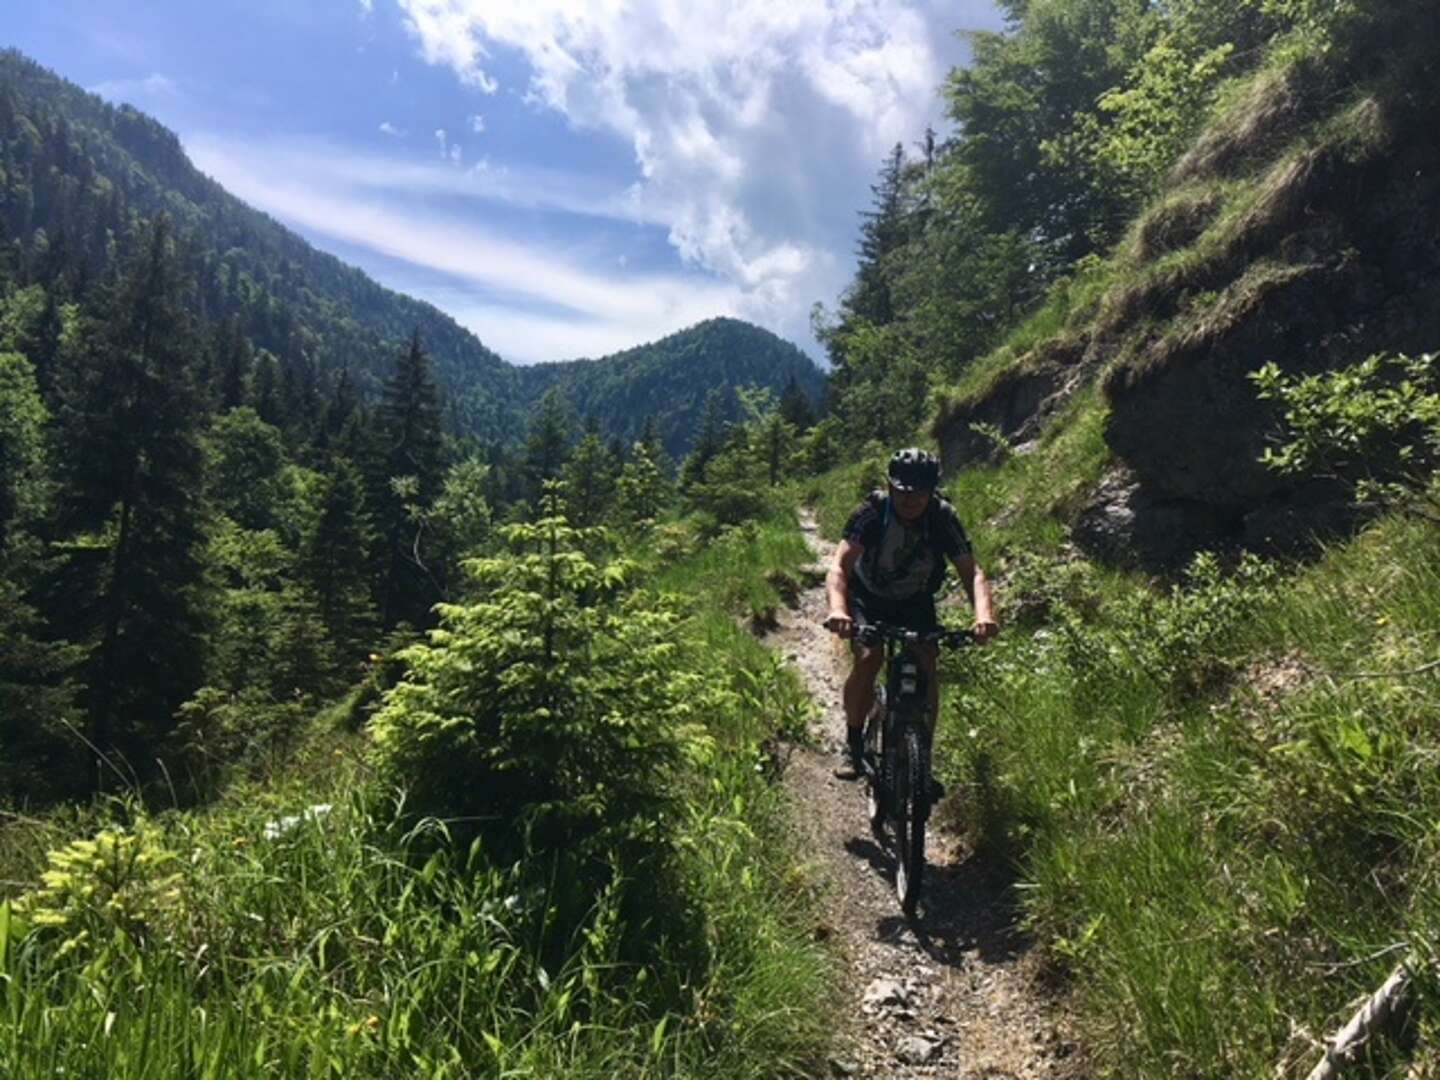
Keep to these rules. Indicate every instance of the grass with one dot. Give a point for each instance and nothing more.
(265, 936)
(1219, 831)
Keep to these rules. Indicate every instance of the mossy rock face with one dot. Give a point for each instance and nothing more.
(1016, 405)
(1336, 257)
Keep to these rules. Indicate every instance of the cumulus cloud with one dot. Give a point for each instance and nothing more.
(387, 128)
(756, 126)
(477, 123)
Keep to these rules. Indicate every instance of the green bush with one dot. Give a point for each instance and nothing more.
(556, 698)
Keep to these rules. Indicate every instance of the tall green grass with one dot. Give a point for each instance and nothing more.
(1221, 800)
(266, 936)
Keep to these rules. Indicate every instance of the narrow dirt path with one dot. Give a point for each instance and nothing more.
(957, 992)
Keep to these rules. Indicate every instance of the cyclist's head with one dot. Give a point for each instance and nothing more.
(913, 469)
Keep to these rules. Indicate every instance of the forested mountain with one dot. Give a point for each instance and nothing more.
(230, 464)
(662, 384)
(79, 177)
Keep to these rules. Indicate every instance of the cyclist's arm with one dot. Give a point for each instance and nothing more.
(837, 585)
(977, 588)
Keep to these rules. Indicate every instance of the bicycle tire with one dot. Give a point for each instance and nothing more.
(912, 803)
(875, 767)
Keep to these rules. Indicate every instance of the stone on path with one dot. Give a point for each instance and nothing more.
(914, 1050)
(886, 992)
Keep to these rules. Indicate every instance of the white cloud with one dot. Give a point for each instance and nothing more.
(477, 123)
(367, 7)
(149, 88)
(387, 128)
(756, 126)
(323, 165)
(527, 302)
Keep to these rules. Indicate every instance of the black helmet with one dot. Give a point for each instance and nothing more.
(913, 469)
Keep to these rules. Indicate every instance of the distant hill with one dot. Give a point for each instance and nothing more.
(668, 380)
(78, 176)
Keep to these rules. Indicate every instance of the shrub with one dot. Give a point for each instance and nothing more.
(1375, 425)
(556, 699)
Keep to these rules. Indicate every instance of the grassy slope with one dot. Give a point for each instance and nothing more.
(1219, 832)
(1223, 831)
(351, 946)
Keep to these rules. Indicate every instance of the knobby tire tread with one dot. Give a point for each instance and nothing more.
(911, 810)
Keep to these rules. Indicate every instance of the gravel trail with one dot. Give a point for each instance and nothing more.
(956, 993)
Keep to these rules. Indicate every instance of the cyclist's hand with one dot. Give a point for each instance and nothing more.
(984, 631)
(842, 625)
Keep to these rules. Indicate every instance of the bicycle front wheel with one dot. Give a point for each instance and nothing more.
(877, 768)
(912, 804)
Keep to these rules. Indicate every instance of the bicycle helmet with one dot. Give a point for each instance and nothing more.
(913, 469)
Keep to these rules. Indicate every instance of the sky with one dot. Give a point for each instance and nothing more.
(564, 178)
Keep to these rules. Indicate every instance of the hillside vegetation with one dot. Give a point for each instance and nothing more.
(1217, 787)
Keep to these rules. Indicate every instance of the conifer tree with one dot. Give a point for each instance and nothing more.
(265, 391)
(795, 406)
(547, 446)
(590, 478)
(232, 363)
(882, 231)
(136, 486)
(643, 489)
(37, 700)
(333, 564)
(709, 439)
(409, 421)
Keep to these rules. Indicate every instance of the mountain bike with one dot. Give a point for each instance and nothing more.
(896, 762)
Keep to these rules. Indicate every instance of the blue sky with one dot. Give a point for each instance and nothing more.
(566, 179)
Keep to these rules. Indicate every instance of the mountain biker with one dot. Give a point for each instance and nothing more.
(888, 567)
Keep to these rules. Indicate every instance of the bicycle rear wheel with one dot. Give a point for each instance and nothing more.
(912, 804)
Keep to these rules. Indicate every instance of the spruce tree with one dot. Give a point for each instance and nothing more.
(137, 489)
(882, 231)
(709, 440)
(795, 406)
(547, 446)
(409, 421)
(37, 701)
(590, 478)
(333, 564)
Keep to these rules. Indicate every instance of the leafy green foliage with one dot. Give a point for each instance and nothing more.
(554, 698)
(121, 881)
(1375, 425)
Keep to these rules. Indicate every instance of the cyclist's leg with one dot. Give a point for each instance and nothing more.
(860, 685)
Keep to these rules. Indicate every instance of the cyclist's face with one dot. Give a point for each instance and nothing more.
(909, 504)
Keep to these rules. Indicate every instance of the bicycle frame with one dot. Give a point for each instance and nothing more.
(898, 735)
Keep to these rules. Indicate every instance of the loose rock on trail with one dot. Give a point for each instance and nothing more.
(955, 993)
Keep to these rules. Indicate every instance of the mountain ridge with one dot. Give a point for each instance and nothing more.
(80, 173)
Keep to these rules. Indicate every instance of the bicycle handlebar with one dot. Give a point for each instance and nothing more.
(874, 633)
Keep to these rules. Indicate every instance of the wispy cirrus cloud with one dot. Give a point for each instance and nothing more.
(323, 165)
(528, 301)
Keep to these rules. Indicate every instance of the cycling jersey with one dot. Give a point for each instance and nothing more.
(901, 561)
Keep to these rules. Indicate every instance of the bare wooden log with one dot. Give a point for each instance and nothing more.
(1377, 1012)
